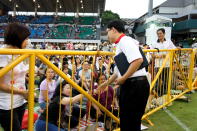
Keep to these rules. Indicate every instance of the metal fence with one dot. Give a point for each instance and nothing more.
(171, 73)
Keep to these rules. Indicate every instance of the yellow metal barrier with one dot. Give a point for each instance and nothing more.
(159, 72)
(159, 102)
(184, 64)
(194, 83)
(191, 70)
(185, 71)
(31, 93)
(5, 70)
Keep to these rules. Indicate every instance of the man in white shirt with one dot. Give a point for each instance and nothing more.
(134, 89)
(162, 43)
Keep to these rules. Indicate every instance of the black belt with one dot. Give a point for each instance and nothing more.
(137, 78)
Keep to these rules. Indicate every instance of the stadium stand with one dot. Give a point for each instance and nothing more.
(88, 20)
(62, 27)
(23, 18)
(82, 32)
(60, 32)
(67, 19)
(38, 31)
(43, 20)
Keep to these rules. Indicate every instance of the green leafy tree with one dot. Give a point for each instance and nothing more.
(107, 16)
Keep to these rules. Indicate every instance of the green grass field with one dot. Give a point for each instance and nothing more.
(184, 111)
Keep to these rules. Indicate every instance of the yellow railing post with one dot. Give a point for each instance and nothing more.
(194, 82)
(181, 71)
(31, 93)
(191, 71)
(194, 86)
(159, 72)
(170, 76)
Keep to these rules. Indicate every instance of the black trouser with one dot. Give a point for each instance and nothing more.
(133, 98)
(162, 83)
(5, 117)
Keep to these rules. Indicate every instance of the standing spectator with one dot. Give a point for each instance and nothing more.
(76, 47)
(95, 47)
(68, 46)
(82, 46)
(15, 37)
(71, 46)
(105, 46)
(162, 43)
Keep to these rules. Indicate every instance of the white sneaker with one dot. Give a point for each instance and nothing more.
(143, 127)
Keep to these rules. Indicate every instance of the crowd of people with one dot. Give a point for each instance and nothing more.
(81, 71)
(85, 74)
(65, 46)
(60, 27)
(98, 76)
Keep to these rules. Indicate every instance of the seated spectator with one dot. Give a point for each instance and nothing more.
(56, 60)
(66, 65)
(101, 67)
(65, 70)
(41, 72)
(53, 110)
(47, 88)
(85, 75)
(78, 66)
(101, 96)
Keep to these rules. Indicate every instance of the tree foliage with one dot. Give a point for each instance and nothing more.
(107, 16)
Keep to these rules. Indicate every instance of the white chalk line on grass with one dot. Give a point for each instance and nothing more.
(177, 120)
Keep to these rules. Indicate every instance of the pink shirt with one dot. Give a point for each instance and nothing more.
(43, 87)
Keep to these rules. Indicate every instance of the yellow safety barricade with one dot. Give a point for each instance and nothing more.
(171, 74)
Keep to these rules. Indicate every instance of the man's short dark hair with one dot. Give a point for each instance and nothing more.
(162, 30)
(118, 25)
(15, 34)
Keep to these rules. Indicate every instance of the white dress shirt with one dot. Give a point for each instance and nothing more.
(130, 47)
